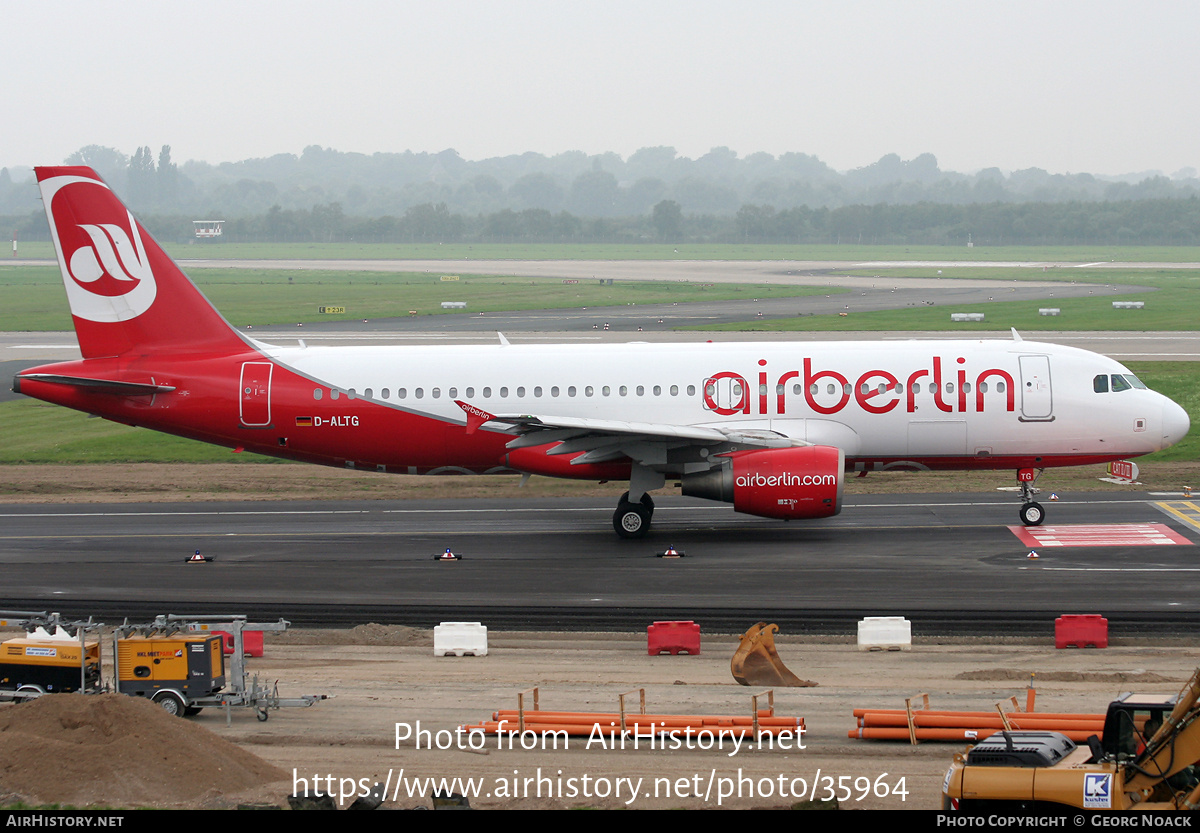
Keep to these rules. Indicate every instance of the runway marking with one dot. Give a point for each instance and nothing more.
(1185, 511)
(1098, 535)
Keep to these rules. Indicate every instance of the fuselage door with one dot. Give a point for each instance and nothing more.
(255, 399)
(1037, 401)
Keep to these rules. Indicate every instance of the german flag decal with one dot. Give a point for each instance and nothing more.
(304, 422)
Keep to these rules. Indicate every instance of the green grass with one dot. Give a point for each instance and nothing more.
(655, 251)
(1172, 302)
(37, 432)
(35, 300)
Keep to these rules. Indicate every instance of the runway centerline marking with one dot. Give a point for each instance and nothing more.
(1098, 535)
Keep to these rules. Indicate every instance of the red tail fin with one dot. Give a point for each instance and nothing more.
(127, 297)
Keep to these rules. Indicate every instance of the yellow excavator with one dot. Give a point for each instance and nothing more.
(1147, 759)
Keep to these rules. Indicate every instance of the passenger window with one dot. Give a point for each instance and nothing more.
(588, 391)
(419, 393)
(334, 393)
(537, 391)
(401, 393)
(641, 390)
(658, 390)
(367, 393)
(452, 393)
(624, 391)
(999, 387)
(487, 393)
(387, 394)
(571, 390)
(470, 393)
(606, 390)
(317, 394)
(521, 392)
(437, 393)
(674, 390)
(554, 391)
(691, 390)
(503, 393)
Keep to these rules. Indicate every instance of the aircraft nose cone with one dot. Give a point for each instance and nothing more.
(1175, 423)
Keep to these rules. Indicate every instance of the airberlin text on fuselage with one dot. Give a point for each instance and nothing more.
(876, 391)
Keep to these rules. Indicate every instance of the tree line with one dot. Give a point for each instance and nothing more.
(1174, 222)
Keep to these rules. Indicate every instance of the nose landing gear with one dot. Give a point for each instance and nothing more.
(1032, 513)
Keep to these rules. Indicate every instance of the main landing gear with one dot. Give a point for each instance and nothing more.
(632, 520)
(1032, 513)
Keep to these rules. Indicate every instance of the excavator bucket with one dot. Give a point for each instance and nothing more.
(756, 662)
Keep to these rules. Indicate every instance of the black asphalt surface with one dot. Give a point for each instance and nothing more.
(947, 562)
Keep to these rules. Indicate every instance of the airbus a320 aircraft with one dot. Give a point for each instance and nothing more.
(773, 429)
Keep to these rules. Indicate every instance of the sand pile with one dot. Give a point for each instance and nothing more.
(117, 751)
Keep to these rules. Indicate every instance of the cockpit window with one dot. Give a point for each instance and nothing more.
(1135, 381)
(1100, 383)
(1119, 383)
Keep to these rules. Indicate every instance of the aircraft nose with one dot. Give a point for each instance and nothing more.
(1175, 423)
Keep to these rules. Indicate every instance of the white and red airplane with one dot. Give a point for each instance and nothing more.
(771, 428)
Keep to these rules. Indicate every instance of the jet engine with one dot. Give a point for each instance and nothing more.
(785, 483)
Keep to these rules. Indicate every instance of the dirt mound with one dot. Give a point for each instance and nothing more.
(1067, 676)
(119, 751)
(399, 636)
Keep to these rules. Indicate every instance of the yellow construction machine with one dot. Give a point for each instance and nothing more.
(1147, 759)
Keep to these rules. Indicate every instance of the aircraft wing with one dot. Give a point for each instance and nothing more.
(647, 443)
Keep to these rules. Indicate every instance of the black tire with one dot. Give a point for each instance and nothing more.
(631, 520)
(171, 703)
(1032, 514)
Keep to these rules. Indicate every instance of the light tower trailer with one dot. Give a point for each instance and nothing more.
(179, 663)
(48, 659)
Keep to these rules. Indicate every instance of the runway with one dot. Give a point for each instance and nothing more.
(949, 563)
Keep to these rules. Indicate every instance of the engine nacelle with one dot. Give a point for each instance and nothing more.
(782, 483)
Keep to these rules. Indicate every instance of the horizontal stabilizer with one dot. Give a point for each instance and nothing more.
(95, 385)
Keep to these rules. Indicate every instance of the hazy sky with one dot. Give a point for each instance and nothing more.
(1099, 86)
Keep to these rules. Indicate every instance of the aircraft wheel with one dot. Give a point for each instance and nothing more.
(631, 520)
(171, 703)
(1032, 514)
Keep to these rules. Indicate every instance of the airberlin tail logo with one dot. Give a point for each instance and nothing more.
(105, 268)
